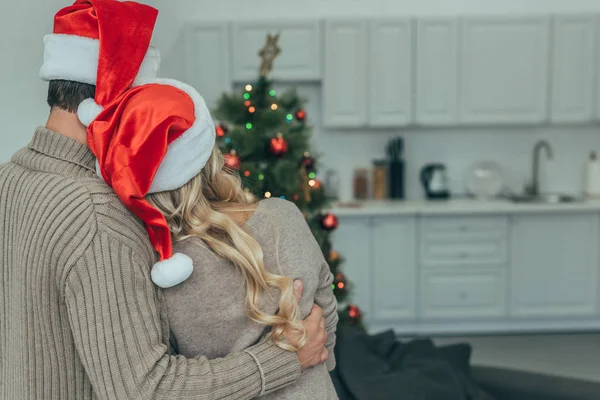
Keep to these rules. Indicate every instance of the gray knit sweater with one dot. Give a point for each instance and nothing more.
(206, 312)
(79, 316)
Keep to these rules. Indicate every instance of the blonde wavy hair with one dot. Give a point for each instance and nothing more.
(211, 207)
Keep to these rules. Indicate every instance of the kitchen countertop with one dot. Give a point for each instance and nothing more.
(458, 206)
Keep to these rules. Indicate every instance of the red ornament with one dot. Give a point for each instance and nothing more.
(301, 115)
(221, 130)
(279, 145)
(232, 160)
(308, 162)
(354, 313)
(329, 222)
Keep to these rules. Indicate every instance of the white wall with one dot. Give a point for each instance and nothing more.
(22, 94)
(458, 148)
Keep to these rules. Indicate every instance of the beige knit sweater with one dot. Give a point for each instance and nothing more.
(79, 316)
(207, 312)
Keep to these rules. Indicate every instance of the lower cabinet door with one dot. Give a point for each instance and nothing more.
(463, 294)
(554, 266)
(394, 268)
(352, 240)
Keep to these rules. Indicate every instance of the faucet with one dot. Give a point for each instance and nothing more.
(533, 189)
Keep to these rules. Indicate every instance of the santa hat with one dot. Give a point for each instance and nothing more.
(155, 137)
(104, 43)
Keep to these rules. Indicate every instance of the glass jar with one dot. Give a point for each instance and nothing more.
(361, 184)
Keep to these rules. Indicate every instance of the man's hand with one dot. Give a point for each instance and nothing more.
(314, 352)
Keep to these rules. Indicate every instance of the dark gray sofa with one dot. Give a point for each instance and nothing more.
(505, 384)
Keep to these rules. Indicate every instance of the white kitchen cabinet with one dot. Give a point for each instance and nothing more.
(300, 43)
(463, 294)
(597, 68)
(207, 62)
(394, 268)
(353, 241)
(504, 67)
(345, 103)
(574, 44)
(554, 266)
(390, 73)
(437, 71)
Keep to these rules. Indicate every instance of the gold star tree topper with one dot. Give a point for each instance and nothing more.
(268, 54)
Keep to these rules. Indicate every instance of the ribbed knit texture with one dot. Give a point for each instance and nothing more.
(79, 316)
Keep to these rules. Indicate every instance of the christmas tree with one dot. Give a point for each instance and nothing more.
(264, 136)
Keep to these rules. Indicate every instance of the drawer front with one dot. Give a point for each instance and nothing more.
(464, 225)
(462, 242)
(463, 294)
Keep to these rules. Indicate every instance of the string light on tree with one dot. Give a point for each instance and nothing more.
(249, 125)
(274, 107)
(248, 88)
(252, 109)
(268, 195)
(221, 130)
(340, 281)
(334, 256)
(289, 118)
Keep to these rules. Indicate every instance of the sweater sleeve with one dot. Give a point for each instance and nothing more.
(325, 299)
(115, 318)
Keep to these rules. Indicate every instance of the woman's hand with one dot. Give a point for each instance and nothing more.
(314, 352)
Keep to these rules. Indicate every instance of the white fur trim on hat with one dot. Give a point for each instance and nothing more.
(188, 154)
(173, 271)
(88, 111)
(75, 58)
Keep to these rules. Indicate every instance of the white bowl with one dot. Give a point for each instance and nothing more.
(485, 180)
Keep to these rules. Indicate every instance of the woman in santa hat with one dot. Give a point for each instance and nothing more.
(227, 262)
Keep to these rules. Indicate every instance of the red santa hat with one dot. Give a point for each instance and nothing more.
(104, 43)
(155, 137)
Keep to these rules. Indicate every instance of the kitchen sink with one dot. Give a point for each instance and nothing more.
(546, 198)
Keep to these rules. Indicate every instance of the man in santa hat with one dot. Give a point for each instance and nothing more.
(80, 316)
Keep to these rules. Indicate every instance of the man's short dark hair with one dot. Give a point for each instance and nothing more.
(67, 95)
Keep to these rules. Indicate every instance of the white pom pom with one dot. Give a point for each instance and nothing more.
(173, 271)
(88, 111)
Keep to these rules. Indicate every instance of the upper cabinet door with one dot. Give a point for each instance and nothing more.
(437, 71)
(345, 75)
(390, 73)
(300, 43)
(207, 63)
(597, 69)
(574, 39)
(554, 265)
(504, 70)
